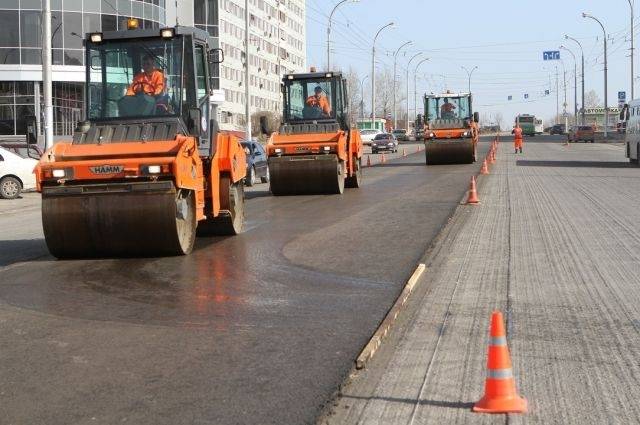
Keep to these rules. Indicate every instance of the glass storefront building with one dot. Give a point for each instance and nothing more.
(21, 53)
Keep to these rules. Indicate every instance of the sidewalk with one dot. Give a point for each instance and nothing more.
(556, 246)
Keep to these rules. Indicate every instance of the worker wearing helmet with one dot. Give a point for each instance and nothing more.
(518, 139)
(149, 81)
(447, 110)
(319, 100)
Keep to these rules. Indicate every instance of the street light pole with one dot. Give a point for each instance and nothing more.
(575, 85)
(582, 54)
(606, 103)
(469, 75)
(47, 77)
(408, 68)
(329, 30)
(632, 49)
(362, 95)
(247, 98)
(415, 90)
(373, 75)
(395, 66)
(557, 97)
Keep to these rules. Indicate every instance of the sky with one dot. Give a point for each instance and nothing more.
(504, 39)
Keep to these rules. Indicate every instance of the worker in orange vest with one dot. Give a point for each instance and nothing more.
(319, 100)
(517, 138)
(149, 81)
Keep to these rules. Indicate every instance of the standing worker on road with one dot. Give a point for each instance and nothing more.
(517, 138)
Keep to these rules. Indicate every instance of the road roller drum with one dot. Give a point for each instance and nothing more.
(450, 152)
(306, 175)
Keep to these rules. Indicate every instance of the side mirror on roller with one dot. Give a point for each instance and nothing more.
(194, 124)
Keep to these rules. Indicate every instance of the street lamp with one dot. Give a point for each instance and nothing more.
(408, 68)
(469, 73)
(395, 65)
(575, 85)
(606, 104)
(329, 30)
(373, 74)
(415, 90)
(362, 95)
(582, 77)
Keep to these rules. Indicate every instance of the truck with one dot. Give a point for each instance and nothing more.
(315, 151)
(147, 170)
(451, 128)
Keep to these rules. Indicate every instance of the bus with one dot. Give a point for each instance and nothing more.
(527, 124)
(539, 126)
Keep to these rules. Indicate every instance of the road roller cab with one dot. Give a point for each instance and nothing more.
(316, 150)
(451, 128)
(148, 166)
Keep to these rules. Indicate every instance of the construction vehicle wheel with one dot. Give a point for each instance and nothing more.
(134, 224)
(230, 221)
(307, 175)
(355, 181)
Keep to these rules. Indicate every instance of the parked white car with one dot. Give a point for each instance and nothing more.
(16, 174)
(368, 135)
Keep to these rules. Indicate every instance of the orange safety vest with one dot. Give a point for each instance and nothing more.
(322, 102)
(517, 133)
(152, 85)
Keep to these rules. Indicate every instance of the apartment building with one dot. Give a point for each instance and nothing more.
(277, 46)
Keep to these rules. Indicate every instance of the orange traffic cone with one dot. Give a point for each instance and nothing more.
(473, 193)
(492, 156)
(368, 160)
(500, 388)
(485, 168)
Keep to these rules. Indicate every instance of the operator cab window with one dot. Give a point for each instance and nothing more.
(311, 99)
(135, 79)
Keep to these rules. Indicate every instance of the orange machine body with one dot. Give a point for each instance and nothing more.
(178, 160)
(346, 145)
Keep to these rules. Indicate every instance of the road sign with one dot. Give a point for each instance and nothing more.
(526, 95)
(622, 96)
(551, 55)
(546, 92)
(510, 98)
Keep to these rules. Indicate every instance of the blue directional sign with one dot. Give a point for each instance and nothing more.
(546, 92)
(510, 98)
(526, 95)
(551, 55)
(622, 96)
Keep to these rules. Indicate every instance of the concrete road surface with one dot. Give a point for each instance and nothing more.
(254, 329)
(555, 244)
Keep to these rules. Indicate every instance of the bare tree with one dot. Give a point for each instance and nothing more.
(592, 100)
(354, 97)
(498, 118)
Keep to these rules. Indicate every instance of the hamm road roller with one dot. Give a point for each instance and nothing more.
(315, 151)
(451, 129)
(148, 168)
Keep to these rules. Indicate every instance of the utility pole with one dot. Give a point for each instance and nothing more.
(373, 75)
(564, 105)
(46, 76)
(582, 54)
(329, 31)
(557, 97)
(606, 101)
(395, 77)
(408, 68)
(247, 111)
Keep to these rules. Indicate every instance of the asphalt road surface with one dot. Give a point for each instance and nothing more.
(258, 328)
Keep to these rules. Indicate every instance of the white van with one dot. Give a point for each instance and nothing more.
(16, 174)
